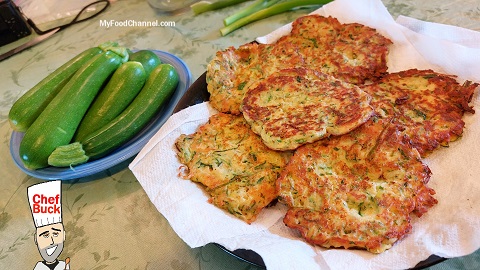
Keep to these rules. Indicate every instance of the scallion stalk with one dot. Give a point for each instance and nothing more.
(271, 11)
(256, 6)
(204, 6)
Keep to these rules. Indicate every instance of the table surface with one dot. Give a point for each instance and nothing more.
(110, 222)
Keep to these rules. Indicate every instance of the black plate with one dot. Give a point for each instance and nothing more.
(197, 93)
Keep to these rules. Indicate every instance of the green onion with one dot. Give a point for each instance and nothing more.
(270, 11)
(256, 6)
(204, 6)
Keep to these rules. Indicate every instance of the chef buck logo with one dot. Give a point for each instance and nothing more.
(45, 201)
(46, 205)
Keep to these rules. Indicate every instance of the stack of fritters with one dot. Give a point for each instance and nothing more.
(353, 53)
(357, 134)
(359, 189)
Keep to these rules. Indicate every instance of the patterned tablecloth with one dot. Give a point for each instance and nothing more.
(110, 222)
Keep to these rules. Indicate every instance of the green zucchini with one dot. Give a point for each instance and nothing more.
(57, 123)
(160, 85)
(147, 58)
(121, 89)
(29, 106)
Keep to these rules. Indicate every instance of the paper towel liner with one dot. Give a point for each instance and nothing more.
(449, 229)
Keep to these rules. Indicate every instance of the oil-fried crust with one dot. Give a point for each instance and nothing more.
(351, 52)
(299, 106)
(429, 106)
(356, 190)
(233, 72)
(234, 166)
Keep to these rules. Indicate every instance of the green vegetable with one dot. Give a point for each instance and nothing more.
(113, 46)
(106, 46)
(147, 58)
(204, 6)
(29, 106)
(68, 155)
(271, 11)
(256, 6)
(159, 87)
(56, 125)
(124, 85)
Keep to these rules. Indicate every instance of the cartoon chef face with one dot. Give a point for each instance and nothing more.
(49, 240)
(46, 207)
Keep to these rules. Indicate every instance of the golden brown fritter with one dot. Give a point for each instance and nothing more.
(233, 71)
(356, 190)
(237, 170)
(427, 105)
(352, 52)
(298, 106)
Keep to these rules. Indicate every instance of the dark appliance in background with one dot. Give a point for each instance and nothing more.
(13, 25)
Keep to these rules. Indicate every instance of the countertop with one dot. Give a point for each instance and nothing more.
(109, 221)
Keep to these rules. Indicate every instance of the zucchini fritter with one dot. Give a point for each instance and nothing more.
(233, 71)
(351, 52)
(427, 105)
(237, 170)
(299, 106)
(356, 190)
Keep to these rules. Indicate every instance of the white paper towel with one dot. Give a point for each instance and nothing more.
(449, 229)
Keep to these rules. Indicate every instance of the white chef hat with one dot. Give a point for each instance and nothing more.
(46, 203)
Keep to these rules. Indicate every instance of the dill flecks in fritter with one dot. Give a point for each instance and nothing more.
(352, 52)
(299, 105)
(233, 164)
(428, 106)
(356, 190)
(234, 71)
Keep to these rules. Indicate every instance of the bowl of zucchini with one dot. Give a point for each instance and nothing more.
(95, 112)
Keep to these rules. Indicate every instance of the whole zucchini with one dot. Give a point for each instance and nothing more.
(29, 106)
(147, 58)
(124, 85)
(160, 85)
(57, 123)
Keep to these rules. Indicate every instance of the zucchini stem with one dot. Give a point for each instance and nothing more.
(204, 6)
(271, 11)
(68, 155)
(113, 46)
(104, 46)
